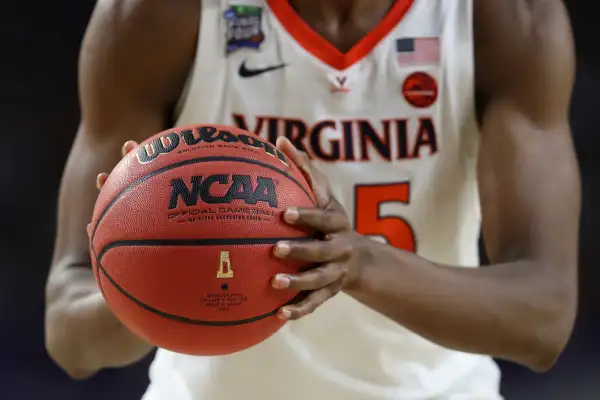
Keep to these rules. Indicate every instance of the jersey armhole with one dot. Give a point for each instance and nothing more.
(210, 46)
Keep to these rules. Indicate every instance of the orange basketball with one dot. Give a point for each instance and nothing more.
(182, 238)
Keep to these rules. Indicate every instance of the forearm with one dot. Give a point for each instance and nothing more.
(82, 334)
(512, 311)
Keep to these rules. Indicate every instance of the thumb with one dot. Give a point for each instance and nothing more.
(318, 181)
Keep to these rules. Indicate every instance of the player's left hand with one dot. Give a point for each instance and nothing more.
(341, 253)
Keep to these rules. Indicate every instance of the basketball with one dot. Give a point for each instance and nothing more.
(182, 236)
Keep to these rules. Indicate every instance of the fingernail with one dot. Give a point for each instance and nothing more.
(280, 141)
(281, 282)
(282, 249)
(291, 214)
(127, 147)
(284, 314)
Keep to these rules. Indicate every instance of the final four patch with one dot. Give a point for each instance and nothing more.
(244, 27)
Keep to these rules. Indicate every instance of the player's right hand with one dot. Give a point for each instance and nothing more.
(129, 146)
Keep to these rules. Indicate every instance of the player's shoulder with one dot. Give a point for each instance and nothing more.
(133, 28)
(518, 34)
(531, 22)
(136, 51)
(146, 12)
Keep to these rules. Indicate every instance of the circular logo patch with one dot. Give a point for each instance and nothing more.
(420, 90)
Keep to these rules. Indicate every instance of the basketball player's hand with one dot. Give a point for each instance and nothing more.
(103, 176)
(340, 254)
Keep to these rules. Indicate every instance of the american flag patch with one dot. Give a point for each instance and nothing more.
(414, 51)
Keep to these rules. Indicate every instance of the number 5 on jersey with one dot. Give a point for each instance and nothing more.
(369, 222)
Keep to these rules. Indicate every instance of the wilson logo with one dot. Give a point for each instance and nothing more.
(204, 134)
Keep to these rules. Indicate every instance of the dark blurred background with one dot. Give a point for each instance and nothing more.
(39, 117)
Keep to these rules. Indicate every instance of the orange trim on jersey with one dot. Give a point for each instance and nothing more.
(319, 47)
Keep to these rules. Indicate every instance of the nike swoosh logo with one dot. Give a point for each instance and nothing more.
(245, 72)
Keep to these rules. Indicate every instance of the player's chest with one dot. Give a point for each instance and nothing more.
(383, 100)
(398, 74)
(376, 109)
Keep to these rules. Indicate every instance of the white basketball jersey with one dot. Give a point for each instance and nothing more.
(392, 123)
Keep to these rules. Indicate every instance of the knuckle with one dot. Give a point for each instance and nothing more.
(301, 312)
(317, 276)
(310, 308)
(325, 217)
(322, 253)
(328, 293)
(304, 282)
(336, 288)
(346, 248)
(338, 269)
(294, 316)
(295, 249)
(340, 275)
(345, 224)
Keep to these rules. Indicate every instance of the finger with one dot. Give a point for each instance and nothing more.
(88, 229)
(298, 157)
(316, 251)
(313, 279)
(286, 146)
(101, 180)
(129, 146)
(308, 304)
(328, 220)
